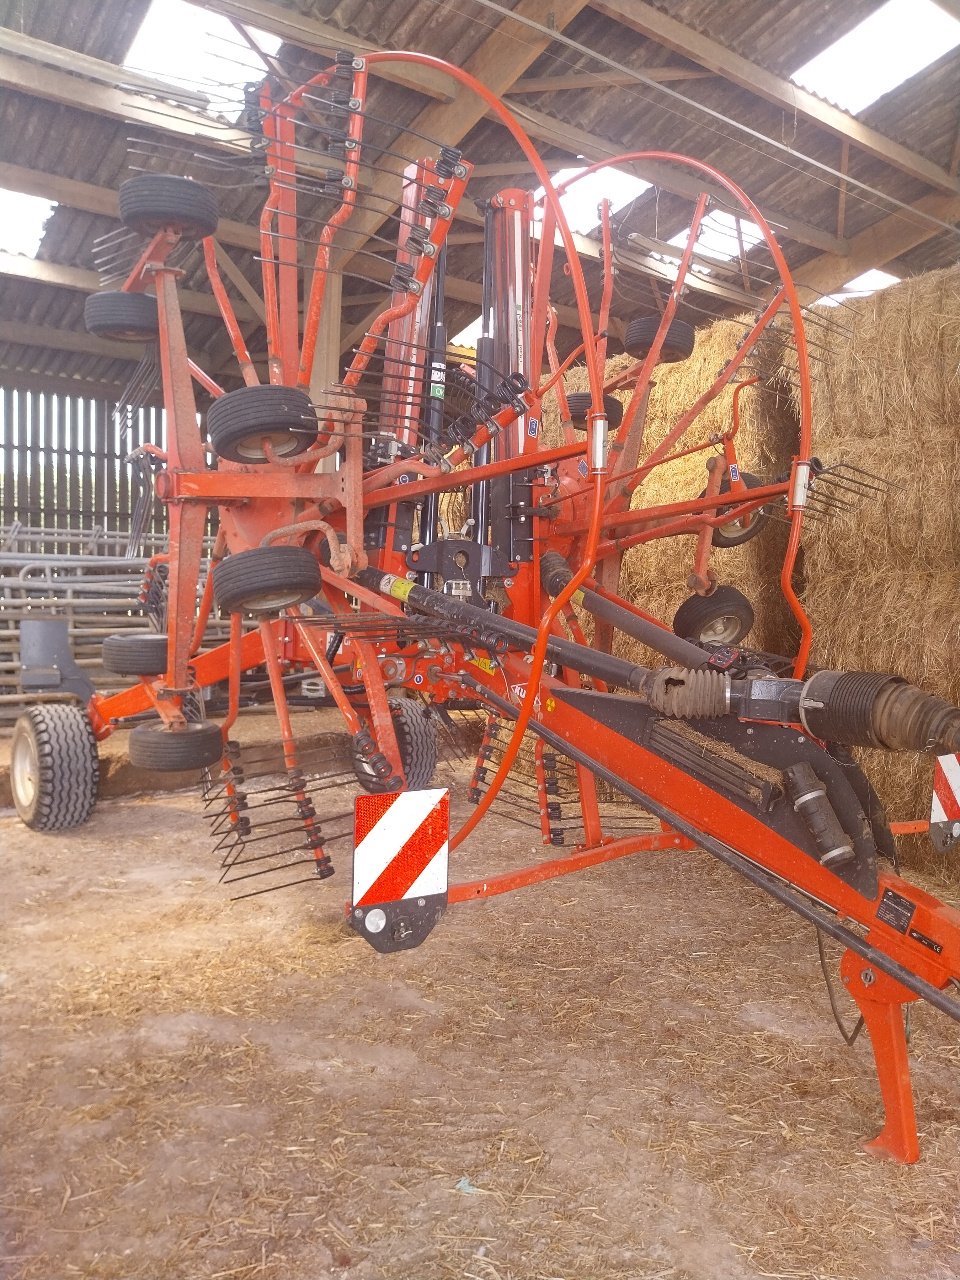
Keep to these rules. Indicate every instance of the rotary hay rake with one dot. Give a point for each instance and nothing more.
(405, 536)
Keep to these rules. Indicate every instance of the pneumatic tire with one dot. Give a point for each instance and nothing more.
(678, 342)
(266, 579)
(737, 532)
(239, 422)
(136, 653)
(194, 746)
(417, 740)
(579, 402)
(152, 202)
(54, 769)
(124, 317)
(723, 617)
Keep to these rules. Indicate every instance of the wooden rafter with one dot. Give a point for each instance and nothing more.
(548, 129)
(68, 277)
(650, 22)
(879, 244)
(54, 339)
(604, 79)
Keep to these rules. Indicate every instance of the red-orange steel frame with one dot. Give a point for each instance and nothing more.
(585, 514)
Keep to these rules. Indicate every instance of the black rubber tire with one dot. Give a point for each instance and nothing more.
(266, 579)
(124, 317)
(154, 746)
(579, 402)
(677, 345)
(724, 617)
(135, 653)
(238, 422)
(736, 534)
(417, 740)
(54, 769)
(150, 202)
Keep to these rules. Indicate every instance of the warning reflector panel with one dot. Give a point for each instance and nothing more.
(400, 861)
(945, 805)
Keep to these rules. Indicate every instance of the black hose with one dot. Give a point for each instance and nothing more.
(487, 629)
(555, 573)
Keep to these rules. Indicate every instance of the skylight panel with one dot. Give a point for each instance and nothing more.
(24, 220)
(199, 50)
(861, 286)
(580, 203)
(718, 236)
(883, 51)
(468, 337)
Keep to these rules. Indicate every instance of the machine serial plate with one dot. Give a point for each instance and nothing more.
(895, 911)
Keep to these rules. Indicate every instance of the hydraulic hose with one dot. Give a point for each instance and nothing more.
(494, 632)
(555, 574)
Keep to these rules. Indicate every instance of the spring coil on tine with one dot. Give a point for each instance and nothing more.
(689, 694)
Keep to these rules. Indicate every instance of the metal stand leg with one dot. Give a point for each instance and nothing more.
(881, 1000)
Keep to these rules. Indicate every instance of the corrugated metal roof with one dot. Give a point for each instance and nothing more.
(65, 140)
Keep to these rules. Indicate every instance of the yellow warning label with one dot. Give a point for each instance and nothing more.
(483, 663)
(401, 588)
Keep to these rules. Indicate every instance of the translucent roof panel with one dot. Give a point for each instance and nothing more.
(199, 51)
(23, 219)
(861, 286)
(580, 203)
(718, 236)
(468, 337)
(890, 46)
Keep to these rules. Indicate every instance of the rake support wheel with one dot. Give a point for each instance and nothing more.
(239, 422)
(124, 317)
(152, 202)
(723, 617)
(194, 746)
(677, 343)
(54, 770)
(417, 740)
(578, 403)
(138, 653)
(266, 579)
(736, 533)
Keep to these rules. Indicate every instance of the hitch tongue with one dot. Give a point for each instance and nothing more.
(810, 800)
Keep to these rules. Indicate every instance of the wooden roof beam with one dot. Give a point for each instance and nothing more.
(323, 37)
(650, 22)
(53, 339)
(679, 181)
(66, 277)
(604, 79)
(879, 244)
(30, 76)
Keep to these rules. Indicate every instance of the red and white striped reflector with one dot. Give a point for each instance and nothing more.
(401, 846)
(945, 806)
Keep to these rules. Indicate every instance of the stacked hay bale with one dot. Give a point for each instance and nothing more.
(655, 574)
(882, 584)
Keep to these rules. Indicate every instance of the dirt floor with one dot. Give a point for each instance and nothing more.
(630, 1073)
